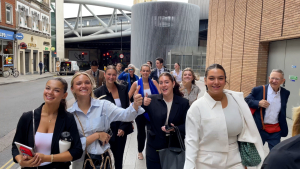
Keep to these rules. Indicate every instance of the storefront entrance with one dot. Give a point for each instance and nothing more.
(27, 54)
(46, 62)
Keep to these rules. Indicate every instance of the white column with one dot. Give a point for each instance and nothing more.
(60, 38)
(38, 62)
(31, 62)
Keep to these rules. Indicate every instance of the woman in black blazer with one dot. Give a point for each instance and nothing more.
(50, 119)
(117, 94)
(167, 108)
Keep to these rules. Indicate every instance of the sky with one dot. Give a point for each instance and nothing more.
(71, 10)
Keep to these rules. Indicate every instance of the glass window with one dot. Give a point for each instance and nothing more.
(8, 14)
(8, 47)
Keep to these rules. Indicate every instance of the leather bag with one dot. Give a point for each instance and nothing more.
(173, 157)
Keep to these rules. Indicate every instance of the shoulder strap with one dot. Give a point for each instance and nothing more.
(33, 129)
(90, 159)
(261, 114)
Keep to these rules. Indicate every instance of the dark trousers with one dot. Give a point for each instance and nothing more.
(41, 70)
(152, 158)
(117, 147)
(272, 138)
(141, 123)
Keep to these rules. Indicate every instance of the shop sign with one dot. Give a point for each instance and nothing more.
(4, 34)
(31, 45)
(46, 48)
(23, 45)
(19, 36)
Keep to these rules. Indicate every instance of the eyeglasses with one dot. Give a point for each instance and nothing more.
(130, 69)
(276, 79)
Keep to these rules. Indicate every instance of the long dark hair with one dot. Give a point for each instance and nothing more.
(63, 103)
(176, 87)
(214, 66)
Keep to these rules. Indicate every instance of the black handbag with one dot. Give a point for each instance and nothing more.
(173, 157)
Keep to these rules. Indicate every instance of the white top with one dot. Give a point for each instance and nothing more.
(178, 76)
(161, 71)
(169, 105)
(147, 91)
(43, 143)
(272, 112)
(118, 102)
(233, 119)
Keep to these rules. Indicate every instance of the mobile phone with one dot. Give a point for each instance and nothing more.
(25, 150)
(167, 127)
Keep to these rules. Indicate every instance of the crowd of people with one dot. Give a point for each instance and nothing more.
(216, 128)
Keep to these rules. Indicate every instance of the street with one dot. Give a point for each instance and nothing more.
(15, 99)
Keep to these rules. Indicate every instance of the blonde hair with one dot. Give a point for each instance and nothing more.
(296, 118)
(91, 80)
(193, 73)
(132, 66)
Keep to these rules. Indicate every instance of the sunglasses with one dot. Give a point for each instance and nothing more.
(130, 69)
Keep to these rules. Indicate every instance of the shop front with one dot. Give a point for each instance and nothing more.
(6, 50)
(31, 50)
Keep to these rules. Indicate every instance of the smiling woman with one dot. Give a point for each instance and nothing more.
(50, 120)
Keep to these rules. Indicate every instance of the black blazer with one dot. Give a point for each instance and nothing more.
(64, 122)
(157, 111)
(124, 98)
(153, 74)
(284, 155)
(256, 95)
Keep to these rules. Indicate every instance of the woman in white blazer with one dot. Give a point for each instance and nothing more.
(215, 123)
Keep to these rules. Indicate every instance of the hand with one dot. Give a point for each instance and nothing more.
(147, 100)
(126, 69)
(138, 99)
(120, 133)
(163, 128)
(104, 137)
(263, 103)
(30, 161)
(41, 156)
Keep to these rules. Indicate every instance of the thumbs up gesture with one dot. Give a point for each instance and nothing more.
(138, 99)
(147, 100)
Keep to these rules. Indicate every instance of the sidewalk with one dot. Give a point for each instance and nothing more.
(24, 78)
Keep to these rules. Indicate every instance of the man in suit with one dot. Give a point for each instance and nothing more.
(273, 108)
(97, 74)
(159, 69)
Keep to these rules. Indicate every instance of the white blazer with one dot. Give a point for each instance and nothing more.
(206, 131)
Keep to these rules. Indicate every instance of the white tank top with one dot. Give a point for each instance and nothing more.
(43, 143)
(118, 102)
(147, 91)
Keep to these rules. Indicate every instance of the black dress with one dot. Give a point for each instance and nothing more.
(117, 144)
(64, 122)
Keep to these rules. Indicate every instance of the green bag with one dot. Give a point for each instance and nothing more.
(249, 154)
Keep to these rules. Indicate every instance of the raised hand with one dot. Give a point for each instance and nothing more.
(138, 99)
(147, 100)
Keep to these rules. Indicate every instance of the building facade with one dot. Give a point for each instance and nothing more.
(252, 37)
(33, 22)
(7, 35)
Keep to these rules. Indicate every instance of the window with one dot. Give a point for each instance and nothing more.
(45, 24)
(9, 13)
(35, 20)
(23, 16)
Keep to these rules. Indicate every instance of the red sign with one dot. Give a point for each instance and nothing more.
(121, 56)
(23, 45)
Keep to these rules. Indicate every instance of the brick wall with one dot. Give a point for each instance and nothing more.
(3, 13)
(239, 32)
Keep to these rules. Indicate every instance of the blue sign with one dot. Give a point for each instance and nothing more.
(4, 34)
(294, 66)
(19, 36)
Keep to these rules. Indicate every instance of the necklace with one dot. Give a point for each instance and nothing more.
(49, 119)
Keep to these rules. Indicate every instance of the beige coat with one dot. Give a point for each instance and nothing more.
(206, 132)
(100, 77)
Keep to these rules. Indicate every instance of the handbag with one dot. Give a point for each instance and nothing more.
(173, 157)
(249, 154)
